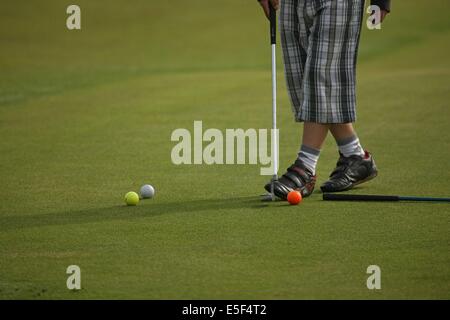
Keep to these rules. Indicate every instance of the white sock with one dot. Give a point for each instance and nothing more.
(350, 146)
(309, 157)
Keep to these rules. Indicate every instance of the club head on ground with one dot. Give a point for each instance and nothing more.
(267, 197)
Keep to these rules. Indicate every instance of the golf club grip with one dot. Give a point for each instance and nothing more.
(358, 197)
(273, 24)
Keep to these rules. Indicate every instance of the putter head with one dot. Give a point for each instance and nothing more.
(269, 197)
(266, 197)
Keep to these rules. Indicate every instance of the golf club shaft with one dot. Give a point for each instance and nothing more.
(429, 199)
(365, 197)
(273, 41)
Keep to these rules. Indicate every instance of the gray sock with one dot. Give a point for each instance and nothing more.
(350, 146)
(309, 156)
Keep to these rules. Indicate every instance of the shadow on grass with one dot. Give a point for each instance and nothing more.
(146, 209)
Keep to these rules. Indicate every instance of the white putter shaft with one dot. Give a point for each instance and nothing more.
(274, 118)
(274, 136)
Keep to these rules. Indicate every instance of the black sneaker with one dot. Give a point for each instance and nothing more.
(297, 177)
(350, 172)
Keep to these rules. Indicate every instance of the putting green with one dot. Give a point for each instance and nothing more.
(87, 115)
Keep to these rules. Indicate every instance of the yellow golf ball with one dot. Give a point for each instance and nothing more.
(131, 198)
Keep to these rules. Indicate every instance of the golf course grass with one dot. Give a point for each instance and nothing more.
(87, 115)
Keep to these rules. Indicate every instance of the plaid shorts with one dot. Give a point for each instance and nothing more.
(320, 41)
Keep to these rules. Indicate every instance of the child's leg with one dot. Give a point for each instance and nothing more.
(329, 74)
(320, 44)
(294, 32)
(314, 135)
(346, 139)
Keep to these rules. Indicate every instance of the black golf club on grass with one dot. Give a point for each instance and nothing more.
(273, 41)
(366, 197)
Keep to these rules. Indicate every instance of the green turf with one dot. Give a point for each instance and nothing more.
(86, 116)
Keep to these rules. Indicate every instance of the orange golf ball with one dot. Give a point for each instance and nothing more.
(294, 197)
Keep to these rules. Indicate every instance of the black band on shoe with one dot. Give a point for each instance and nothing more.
(297, 177)
(303, 175)
(298, 181)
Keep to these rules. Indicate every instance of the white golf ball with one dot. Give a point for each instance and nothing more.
(147, 191)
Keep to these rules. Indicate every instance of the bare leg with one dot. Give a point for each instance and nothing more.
(314, 134)
(342, 131)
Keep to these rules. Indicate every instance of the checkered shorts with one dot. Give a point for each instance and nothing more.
(320, 44)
